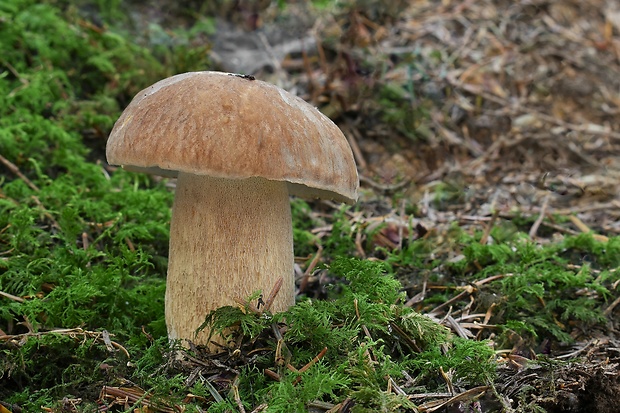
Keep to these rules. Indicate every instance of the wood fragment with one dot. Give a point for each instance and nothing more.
(304, 280)
(13, 168)
(585, 229)
(236, 397)
(11, 297)
(539, 220)
(273, 293)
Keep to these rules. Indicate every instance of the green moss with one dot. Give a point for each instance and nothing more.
(84, 247)
(80, 248)
(70, 363)
(538, 292)
(340, 241)
(366, 331)
(303, 222)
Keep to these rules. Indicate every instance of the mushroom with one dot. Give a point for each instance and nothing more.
(239, 147)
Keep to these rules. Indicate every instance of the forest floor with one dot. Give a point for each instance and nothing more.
(497, 109)
(477, 113)
(497, 118)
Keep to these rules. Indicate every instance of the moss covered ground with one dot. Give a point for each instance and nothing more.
(389, 318)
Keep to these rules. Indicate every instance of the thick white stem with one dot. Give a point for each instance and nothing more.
(228, 239)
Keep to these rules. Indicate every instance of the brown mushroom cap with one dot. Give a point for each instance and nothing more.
(229, 126)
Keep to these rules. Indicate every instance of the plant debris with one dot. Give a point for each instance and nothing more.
(478, 272)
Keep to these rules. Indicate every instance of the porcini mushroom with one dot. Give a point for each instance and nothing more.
(239, 147)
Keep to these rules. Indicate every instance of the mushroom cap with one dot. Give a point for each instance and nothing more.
(231, 126)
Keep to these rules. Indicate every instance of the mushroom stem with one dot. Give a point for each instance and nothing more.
(228, 239)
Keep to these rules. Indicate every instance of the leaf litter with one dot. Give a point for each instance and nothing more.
(471, 122)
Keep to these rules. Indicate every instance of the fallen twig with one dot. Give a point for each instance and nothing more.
(13, 168)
